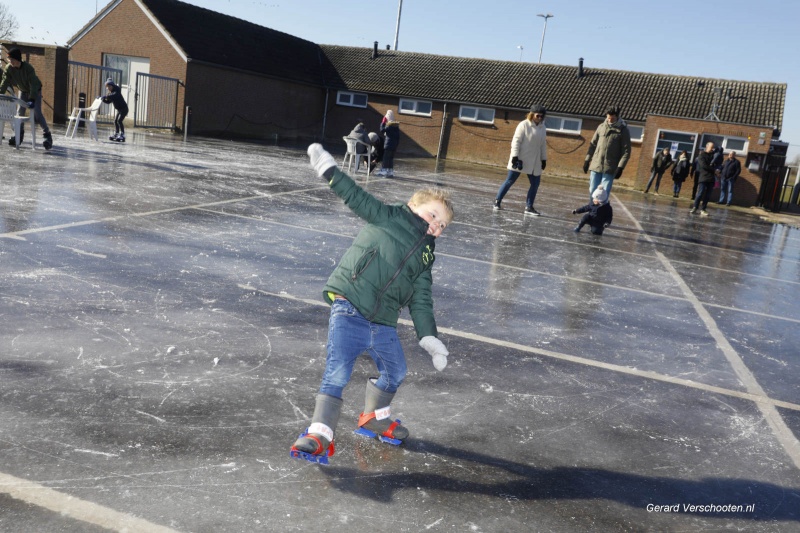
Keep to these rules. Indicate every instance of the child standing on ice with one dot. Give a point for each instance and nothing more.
(598, 213)
(114, 97)
(387, 267)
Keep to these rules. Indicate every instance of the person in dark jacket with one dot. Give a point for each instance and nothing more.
(598, 213)
(705, 177)
(387, 267)
(679, 173)
(731, 169)
(390, 129)
(115, 98)
(661, 162)
(22, 75)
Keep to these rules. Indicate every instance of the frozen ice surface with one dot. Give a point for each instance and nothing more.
(164, 335)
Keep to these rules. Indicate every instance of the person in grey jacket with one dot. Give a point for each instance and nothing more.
(661, 162)
(609, 151)
(731, 169)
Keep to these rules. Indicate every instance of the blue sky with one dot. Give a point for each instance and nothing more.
(735, 39)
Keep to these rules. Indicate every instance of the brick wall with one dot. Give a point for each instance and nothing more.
(238, 104)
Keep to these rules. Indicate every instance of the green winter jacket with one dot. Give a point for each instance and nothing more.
(610, 147)
(388, 266)
(23, 78)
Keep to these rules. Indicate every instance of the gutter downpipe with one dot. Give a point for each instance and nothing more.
(325, 114)
(441, 134)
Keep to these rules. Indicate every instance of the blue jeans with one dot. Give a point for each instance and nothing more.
(596, 178)
(726, 185)
(657, 176)
(676, 189)
(511, 178)
(703, 194)
(350, 335)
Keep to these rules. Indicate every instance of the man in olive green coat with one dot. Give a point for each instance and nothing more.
(608, 152)
(21, 74)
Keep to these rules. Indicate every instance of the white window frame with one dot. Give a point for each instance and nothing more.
(347, 98)
(725, 139)
(639, 138)
(415, 107)
(477, 110)
(560, 128)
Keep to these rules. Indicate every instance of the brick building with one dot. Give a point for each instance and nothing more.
(250, 81)
(50, 63)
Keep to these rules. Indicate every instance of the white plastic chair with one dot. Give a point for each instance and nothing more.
(10, 107)
(89, 119)
(352, 155)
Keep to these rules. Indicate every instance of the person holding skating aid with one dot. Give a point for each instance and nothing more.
(114, 97)
(598, 213)
(22, 75)
(387, 267)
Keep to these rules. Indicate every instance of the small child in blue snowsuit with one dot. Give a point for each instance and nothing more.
(115, 98)
(598, 213)
(387, 267)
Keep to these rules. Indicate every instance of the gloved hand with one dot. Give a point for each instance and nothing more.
(574, 211)
(516, 163)
(544, 164)
(586, 166)
(619, 172)
(321, 161)
(436, 349)
(31, 103)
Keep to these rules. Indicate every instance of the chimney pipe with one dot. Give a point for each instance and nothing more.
(388, 47)
(375, 50)
(580, 67)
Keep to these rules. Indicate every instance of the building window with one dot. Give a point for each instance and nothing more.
(476, 114)
(351, 99)
(415, 107)
(676, 141)
(637, 133)
(737, 144)
(563, 124)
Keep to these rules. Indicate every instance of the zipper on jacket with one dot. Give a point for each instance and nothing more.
(397, 273)
(369, 256)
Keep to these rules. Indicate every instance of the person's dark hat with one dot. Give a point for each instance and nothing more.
(15, 53)
(538, 108)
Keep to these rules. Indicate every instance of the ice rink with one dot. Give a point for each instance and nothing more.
(163, 337)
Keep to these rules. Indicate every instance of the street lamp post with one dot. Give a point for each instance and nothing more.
(541, 46)
(520, 52)
(397, 28)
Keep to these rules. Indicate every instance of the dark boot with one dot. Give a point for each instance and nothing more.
(376, 417)
(319, 437)
(48, 141)
(13, 140)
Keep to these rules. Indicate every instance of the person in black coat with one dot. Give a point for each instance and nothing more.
(705, 176)
(679, 173)
(661, 162)
(115, 98)
(598, 213)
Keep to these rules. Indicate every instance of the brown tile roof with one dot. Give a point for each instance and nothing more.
(510, 84)
(212, 37)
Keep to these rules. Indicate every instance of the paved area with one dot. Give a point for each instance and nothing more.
(163, 338)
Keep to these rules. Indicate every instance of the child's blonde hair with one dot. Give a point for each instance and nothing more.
(434, 194)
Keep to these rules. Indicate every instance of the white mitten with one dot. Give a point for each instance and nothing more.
(320, 159)
(438, 352)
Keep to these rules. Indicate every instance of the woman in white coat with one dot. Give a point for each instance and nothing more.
(528, 155)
